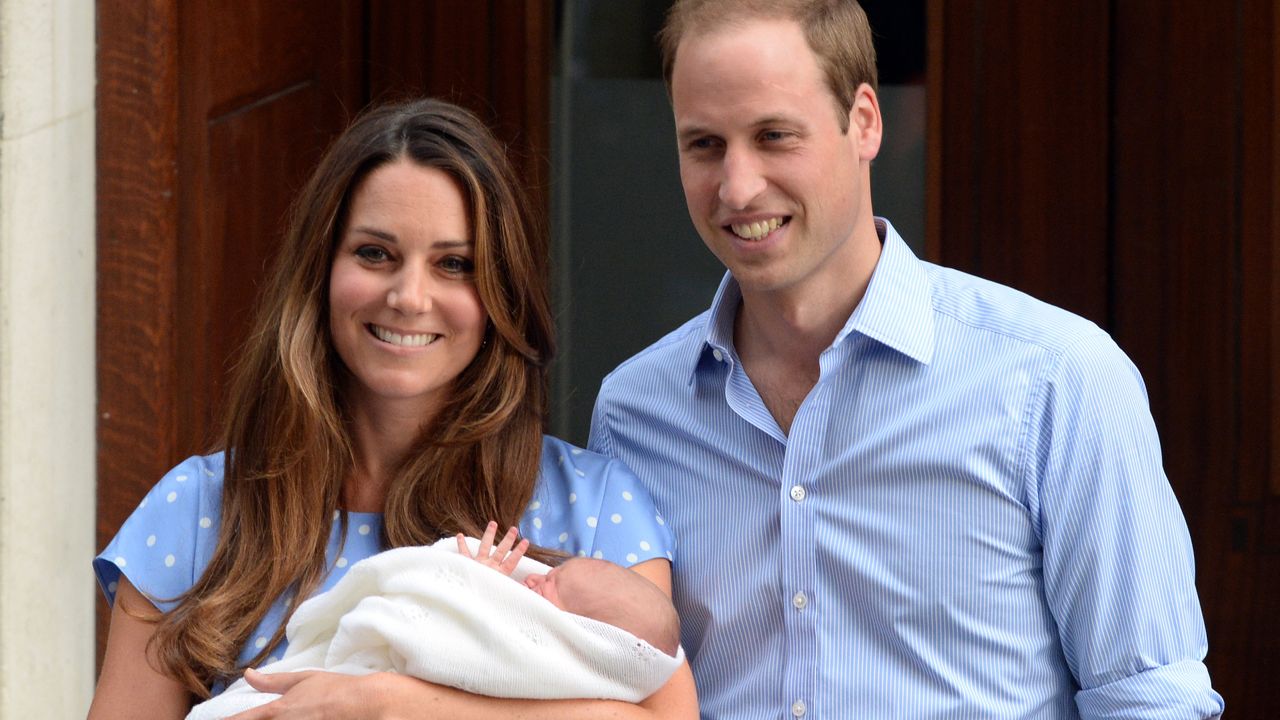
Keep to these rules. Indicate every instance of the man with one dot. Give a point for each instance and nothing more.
(900, 491)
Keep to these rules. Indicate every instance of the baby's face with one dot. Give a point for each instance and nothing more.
(575, 580)
(548, 586)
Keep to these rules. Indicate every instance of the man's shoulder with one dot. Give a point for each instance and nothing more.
(983, 306)
(669, 356)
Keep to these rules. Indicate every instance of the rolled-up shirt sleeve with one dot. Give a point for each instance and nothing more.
(1119, 571)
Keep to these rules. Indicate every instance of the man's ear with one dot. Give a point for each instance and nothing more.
(865, 122)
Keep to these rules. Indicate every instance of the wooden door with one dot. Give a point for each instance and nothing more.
(210, 115)
(1122, 159)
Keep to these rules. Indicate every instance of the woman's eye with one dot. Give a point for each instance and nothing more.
(457, 265)
(372, 253)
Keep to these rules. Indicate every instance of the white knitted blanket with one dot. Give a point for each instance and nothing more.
(436, 615)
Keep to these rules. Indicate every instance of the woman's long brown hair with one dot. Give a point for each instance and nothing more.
(285, 431)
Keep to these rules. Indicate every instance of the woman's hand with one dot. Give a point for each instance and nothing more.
(502, 558)
(315, 695)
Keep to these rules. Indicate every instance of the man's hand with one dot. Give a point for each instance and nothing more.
(502, 558)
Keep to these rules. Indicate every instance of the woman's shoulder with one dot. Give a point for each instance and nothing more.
(577, 473)
(560, 457)
(590, 504)
(163, 545)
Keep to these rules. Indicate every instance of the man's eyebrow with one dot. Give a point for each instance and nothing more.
(692, 131)
(775, 120)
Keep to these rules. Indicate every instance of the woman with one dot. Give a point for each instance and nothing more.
(392, 393)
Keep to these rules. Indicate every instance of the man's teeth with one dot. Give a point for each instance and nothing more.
(756, 230)
(387, 336)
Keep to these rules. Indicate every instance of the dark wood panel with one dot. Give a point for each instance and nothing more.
(397, 62)
(1020, 140)
(137, 221)
(492, 56)
(1194, 233)
(249, 50)
(257, 160)
(1260, 225)
(1123, 159)
(520, 87)
(265, 87)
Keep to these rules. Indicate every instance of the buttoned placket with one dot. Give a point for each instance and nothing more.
(800, 493)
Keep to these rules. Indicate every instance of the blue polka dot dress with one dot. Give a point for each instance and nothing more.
(584, 504)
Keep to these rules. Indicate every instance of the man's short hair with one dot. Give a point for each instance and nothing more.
(837, 32)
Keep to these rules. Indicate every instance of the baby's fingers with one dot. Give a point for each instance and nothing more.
(486, 540)
(508, 540)
(509, 563)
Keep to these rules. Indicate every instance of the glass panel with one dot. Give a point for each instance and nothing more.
(628, 265)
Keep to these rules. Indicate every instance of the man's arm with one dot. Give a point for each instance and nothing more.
(1119, 572)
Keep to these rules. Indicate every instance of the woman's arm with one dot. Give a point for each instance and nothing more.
(387, 696)
(129, 687)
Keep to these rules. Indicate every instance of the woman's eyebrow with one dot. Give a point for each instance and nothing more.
(380, 234)
(449, 244)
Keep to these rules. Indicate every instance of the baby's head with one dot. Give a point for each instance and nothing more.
(612, 594)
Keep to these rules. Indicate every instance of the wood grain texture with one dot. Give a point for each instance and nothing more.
(265, 88)
(1123, 160)
(1193, 233)
(137, 229)
(1020, 140)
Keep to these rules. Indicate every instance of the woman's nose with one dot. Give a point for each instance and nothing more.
(411, 291)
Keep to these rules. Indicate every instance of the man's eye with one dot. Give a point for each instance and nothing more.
(704, 143)
(773, 135)
(372, 253)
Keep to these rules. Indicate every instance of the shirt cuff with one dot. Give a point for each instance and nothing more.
(1179, 691)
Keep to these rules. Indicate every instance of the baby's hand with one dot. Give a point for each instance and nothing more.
(502, 558)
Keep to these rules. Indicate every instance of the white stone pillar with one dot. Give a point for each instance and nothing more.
(47, 384)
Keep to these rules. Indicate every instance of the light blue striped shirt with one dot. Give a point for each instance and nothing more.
(969, 518)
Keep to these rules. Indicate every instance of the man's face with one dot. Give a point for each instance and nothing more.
(773, 185)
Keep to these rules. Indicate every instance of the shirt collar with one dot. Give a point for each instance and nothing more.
(897, 309)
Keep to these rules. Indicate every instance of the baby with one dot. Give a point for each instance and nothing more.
(595, 589)
(588, 629)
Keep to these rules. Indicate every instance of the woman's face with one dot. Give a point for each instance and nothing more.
(403, 309)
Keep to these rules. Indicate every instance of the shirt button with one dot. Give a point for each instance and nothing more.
(798, 709)
(797, 493)
(800, 600)
(719, 356)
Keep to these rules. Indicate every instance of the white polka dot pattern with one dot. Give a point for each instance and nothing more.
(576, 490)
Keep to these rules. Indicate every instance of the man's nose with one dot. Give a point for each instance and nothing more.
(743, 179)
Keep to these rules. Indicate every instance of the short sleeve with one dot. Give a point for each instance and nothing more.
(589, 505)
(167, 542)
